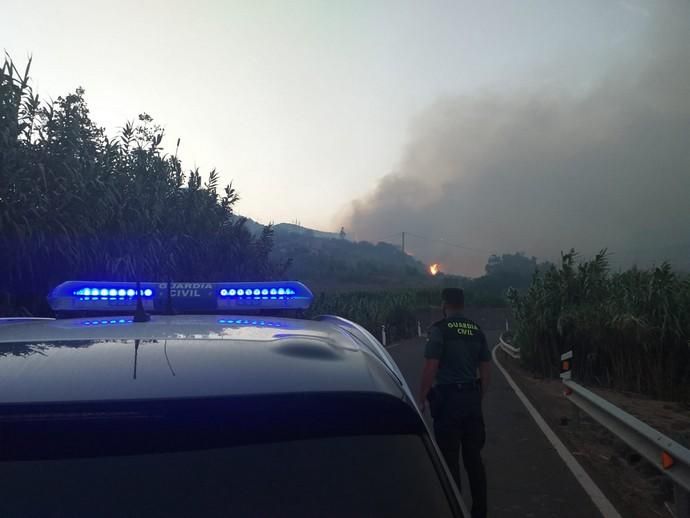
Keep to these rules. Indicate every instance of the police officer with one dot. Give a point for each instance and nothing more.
(456, 350)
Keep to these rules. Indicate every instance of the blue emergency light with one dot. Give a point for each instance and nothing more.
(160, 297)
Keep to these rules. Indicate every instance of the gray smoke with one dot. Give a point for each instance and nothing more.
(545, 171)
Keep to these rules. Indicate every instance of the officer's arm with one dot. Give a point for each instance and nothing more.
(428, 375)
(432, 353)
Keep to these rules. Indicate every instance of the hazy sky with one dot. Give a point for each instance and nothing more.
(306, 105)
(544, 168)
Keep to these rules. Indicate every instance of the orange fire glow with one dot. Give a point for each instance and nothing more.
(434, 268)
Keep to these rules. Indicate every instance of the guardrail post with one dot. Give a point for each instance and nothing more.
(383, 334)
(682, 501)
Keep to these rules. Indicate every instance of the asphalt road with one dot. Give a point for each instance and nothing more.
(526, 477)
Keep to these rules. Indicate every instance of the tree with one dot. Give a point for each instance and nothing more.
(516, 263)
(76, 204)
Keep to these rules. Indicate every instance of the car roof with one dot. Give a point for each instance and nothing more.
(186, 356)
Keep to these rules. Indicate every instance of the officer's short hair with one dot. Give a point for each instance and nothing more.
(453, 296)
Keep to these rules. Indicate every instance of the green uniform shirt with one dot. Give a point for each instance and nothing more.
(459, 345)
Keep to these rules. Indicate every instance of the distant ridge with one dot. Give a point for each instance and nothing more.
(328, 261)
(289, 228)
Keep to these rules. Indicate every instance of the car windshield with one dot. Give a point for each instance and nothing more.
(365, 475)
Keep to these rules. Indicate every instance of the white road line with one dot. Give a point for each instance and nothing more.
(599, 499)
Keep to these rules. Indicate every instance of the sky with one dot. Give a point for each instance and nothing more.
(386, 116)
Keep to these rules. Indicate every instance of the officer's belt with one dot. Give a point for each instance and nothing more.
(465, 386)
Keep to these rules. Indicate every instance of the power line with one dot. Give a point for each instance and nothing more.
(402, 235)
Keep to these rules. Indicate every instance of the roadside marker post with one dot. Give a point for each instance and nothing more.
(383, 334)
(566, 365)
(567, 374)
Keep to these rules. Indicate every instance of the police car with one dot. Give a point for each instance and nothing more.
(169, 399)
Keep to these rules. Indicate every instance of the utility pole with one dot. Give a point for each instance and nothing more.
(403, 242)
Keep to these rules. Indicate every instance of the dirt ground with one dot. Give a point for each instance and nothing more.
(635, 487)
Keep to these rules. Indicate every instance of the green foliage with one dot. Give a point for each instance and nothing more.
(517, 263)
(628, 330)
(397, 311)
(77, 204)
(507, 271)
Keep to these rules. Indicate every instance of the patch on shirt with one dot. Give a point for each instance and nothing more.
(464, 328)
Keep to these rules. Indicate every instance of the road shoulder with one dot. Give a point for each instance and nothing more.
(634, 487)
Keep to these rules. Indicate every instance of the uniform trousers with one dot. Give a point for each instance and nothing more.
(458, 423)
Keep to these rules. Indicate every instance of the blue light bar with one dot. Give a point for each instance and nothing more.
(257, 292)
(263, 295)
(111, 293)
(102, 296)
(191, 296)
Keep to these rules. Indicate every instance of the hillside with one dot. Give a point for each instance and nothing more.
(290, 228)
(287, 228)
(329, 262)
(336, 263)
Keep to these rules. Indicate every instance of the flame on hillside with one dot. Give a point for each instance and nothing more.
(434, 268)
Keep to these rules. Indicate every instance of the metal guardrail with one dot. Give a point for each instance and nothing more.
(513, 352)
(647, 441)
(670, 457)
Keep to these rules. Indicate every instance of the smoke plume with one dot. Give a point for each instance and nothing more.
(547, 170)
